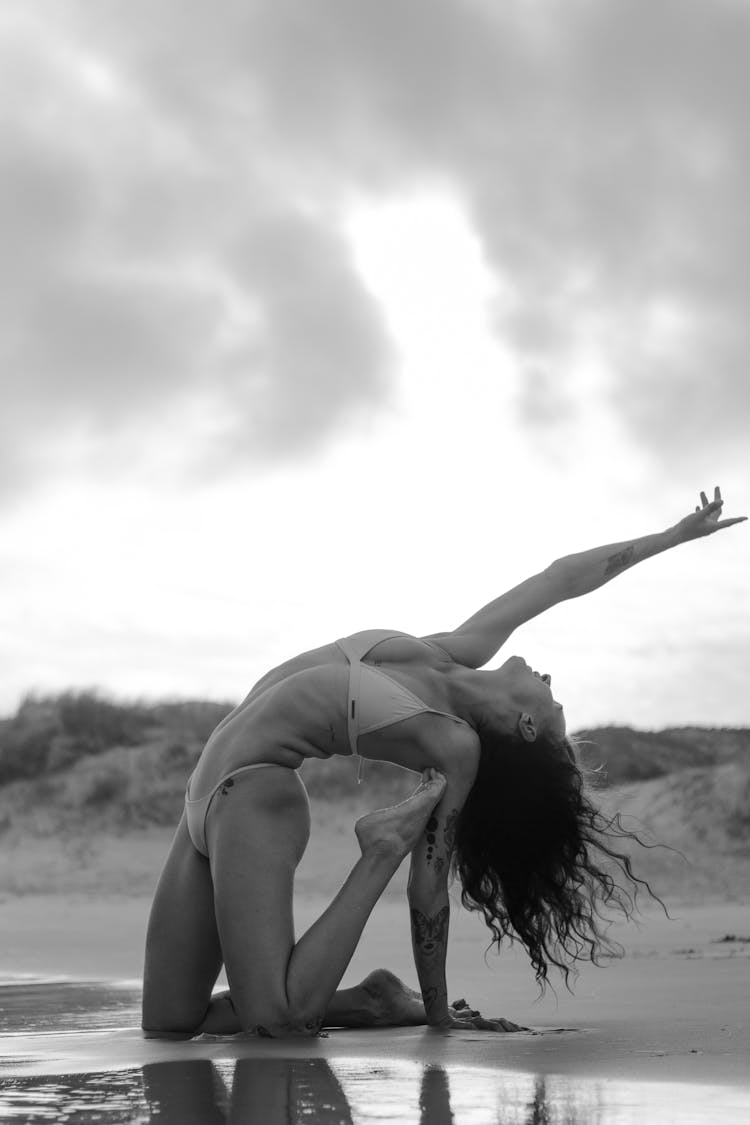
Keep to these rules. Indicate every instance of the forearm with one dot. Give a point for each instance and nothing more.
(429, 934)
(478, 639)
(575, 575)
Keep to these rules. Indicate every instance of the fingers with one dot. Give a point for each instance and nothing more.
(714, 506)
(466, 1022)
(716, 500)
(728, 523)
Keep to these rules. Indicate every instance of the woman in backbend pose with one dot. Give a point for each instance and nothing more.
(501, 802)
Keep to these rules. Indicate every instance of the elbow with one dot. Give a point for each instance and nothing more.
(561, 577)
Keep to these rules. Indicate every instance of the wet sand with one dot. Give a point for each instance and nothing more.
(53, 1066)
(660, 1035)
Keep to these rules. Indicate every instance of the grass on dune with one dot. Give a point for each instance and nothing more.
(91, 790)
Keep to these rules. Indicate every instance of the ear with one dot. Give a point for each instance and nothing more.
(527, 727)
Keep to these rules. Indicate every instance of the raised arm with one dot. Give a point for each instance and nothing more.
(478, 639)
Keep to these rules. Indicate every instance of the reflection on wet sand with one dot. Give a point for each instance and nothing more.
(434, 1097)
(269, 1092)
(70, 1052)
(344, 1091)
(276, 1091)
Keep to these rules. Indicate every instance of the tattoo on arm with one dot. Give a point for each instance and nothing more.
(433, 856)
(449, 833)
(429, 833)
(621, 561)
(430, 934)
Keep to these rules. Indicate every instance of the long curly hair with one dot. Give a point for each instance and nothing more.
(534, 855)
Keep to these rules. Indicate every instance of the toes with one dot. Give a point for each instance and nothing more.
(436, 781)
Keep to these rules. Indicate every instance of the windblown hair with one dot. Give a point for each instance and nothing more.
(534, 855)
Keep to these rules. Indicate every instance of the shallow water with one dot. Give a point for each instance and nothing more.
(70, 1053)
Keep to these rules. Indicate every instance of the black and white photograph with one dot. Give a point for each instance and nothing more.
(374, 569)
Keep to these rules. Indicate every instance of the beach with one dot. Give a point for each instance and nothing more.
(659, 1034)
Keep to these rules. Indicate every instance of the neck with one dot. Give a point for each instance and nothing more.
(480, 698)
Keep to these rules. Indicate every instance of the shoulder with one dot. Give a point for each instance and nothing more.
(456, 751)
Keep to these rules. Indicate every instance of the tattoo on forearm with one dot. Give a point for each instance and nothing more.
(429, 832)
(434, 857)
(621, 561)
(430, 934)
(449, 833)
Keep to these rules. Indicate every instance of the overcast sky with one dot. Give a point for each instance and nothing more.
(326, 316)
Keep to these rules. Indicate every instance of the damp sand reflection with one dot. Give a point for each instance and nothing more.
(266, 1091)
(71, 1053)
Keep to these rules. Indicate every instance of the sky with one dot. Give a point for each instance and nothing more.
(328, 316)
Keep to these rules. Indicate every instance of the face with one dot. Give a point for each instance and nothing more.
(530, 694)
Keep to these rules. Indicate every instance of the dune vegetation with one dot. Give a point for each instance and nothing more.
(91, 789)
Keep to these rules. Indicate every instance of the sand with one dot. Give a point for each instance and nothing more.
(675, 1007)
(660, 1035)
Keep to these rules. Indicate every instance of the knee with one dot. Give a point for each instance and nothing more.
(161, 1023)
(283, 1023)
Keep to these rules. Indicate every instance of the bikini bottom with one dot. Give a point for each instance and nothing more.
(196, 810)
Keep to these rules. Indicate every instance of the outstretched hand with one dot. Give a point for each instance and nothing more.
(705, 519)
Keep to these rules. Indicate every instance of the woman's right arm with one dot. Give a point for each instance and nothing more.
(429, 906)
(477, 640)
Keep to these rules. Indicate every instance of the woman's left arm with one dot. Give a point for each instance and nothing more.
(478, 639)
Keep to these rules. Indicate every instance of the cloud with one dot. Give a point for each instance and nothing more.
(148, 274)
(602, 155)
(173, 192)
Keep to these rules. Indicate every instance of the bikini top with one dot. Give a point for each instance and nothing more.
(376, 700)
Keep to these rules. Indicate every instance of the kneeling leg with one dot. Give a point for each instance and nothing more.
(256, 833)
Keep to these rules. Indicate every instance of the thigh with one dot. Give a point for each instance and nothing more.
(183, 954)
(257, 832)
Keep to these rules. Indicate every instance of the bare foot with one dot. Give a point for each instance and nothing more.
(391, 1003)
(394, 1004)
(395, 831)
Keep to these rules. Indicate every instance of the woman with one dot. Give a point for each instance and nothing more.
(501, 802)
